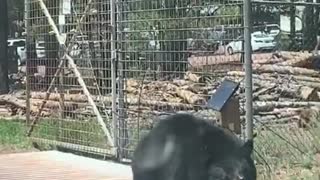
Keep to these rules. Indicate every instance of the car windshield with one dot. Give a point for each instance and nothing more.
(19, 43)
(260, 35)
(270, 28)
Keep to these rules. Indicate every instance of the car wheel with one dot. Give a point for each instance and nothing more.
(230, 50)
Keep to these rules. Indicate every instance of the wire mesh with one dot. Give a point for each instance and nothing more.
(172, 58)
(66, 117)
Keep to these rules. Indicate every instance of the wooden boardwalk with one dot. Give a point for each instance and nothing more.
(55, 165)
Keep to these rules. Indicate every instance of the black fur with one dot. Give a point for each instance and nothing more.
(183, 147)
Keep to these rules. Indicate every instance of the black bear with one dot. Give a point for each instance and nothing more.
(183, 147)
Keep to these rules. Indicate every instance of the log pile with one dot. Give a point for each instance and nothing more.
(286, 84)
(285, 88)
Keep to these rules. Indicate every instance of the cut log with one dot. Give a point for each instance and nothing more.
(299, 92)
(194, 77)
(283, 121)
(69, 106)
(5, 111)
(297, 62)
(287, 55)
(262, 76)
(265, 119)
(56, 97)
(311, 84)
(132, 83)
(269, 97)
(132, 90)
(190, 97)
(263, 91)
(306, 78)
(270, 105)
(182, 82)
(282, 112)
(132, 100)
(308, 93)
(265, 84)
(286, 70)
(14, 102)
(270, 60)
(196, 88)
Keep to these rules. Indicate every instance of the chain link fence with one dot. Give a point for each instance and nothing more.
(102, 73)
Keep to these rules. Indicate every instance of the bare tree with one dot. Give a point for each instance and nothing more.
(4, 85)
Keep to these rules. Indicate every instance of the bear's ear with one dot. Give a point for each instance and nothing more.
(247, 147)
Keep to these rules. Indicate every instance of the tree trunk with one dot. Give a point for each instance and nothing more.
(4, 85)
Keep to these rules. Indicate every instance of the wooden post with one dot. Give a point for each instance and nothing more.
(230, 115)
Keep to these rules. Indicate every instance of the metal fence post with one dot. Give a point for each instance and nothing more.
(114, 72)
(27, 24)
(248, 68)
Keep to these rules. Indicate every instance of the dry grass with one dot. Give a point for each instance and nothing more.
(288, 152)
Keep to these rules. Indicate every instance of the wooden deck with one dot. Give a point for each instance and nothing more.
(55, 165)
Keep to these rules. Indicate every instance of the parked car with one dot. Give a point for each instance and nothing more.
(20, 44)
(259, 41)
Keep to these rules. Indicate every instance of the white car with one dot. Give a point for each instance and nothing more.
(21, 49)
(259, 41)
(20, 44)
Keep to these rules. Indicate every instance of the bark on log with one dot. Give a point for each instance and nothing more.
(132, 83)
(196, 88)
(281, 113)
(286, 70)
(262, 56)
(190, 97)
(296, 62)
(263, 91)
(20, 104)
(284, 121)
(263, 83)
(270, 105)
(262, 76)
(311, 84)
(132, 90)
(56, 97)
(130, 99)
(187, 95)
(287, 55)
(181, 82)
(306, 78)
(69, 106)
(271, 60)
(308, 93)
(299, 92)
(194, 77)
(269, 97)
